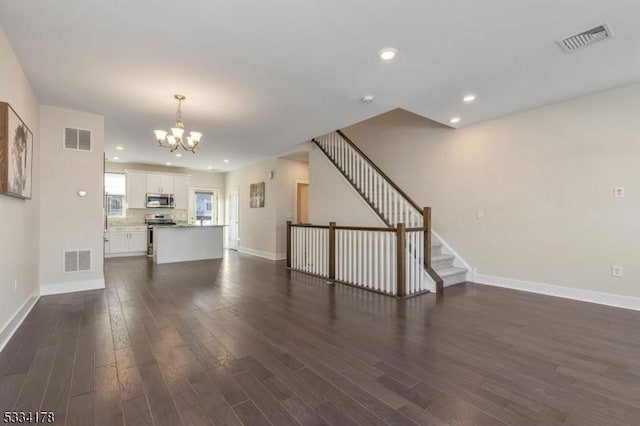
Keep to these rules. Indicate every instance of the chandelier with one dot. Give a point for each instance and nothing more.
(174, 140)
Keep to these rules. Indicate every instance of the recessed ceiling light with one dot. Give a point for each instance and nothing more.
(388, 54)
(367, 99)
(115, 158)
(226, 160)
(454, 120)
(210, 168)
(469, 98)
(120, 148)
(167, 163)
(178, 155)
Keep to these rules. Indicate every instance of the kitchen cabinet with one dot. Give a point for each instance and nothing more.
(123, 240)
(160, 184)
(181, 194)
(136, 190)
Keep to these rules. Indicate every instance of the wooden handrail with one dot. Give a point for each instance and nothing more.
(377, 169)
(307, 225)
(365, 228)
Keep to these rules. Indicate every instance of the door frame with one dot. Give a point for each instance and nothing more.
(228, 217)
(295, 196)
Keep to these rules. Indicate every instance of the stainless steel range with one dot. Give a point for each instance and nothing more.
(153, 220)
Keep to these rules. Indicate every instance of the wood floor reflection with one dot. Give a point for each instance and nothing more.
(244, 341)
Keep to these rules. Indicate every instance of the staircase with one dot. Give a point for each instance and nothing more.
(390, 203)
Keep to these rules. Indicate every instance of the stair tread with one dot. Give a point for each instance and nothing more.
(443, 256)
(451, 271)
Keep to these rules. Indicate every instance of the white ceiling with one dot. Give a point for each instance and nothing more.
(263, 76)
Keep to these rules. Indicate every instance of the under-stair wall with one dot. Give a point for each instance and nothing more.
(350, 189)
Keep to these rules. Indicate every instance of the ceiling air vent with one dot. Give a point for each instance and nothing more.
(585, 38)
(77, 261)
(77, 139)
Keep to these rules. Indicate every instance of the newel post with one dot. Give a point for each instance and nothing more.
(332, 250)
(426, 220)
(288, 244)
(400, 260)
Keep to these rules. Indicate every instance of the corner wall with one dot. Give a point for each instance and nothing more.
(68, 221)
(19, 227)
(544, 180)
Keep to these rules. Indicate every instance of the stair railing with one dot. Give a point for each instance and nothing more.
(384, 260)
(384, 196)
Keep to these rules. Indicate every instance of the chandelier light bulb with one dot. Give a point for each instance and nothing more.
(160, 135)
(195, 136)
(172, 140)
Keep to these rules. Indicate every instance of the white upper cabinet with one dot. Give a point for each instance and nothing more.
(136, 190)
(160, 184)
(167, 185)
(181, 192)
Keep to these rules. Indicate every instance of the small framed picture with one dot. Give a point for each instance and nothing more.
(16, 154)
(256, 195)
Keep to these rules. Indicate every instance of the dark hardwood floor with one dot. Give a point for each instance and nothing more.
(244, 341)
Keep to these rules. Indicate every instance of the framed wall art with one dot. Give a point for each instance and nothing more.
(256, 195)
(16, 154)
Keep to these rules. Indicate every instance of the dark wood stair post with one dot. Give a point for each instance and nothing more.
(332, 251)
(426, 221)
(288, 244)
(400, 259)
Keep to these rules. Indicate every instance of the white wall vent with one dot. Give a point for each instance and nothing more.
(585, 38)
(76, 261)
(77, 139)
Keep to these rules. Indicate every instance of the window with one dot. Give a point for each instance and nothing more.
(114, 193)
(203, 207)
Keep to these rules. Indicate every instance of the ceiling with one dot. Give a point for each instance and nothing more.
(263, 76)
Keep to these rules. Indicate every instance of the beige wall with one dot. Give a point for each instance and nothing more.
(19, 226)
(198, 179)
(333, 199)
(544, 179)
(67, 221)
(287, 173)
(262, 231)
(257, 226)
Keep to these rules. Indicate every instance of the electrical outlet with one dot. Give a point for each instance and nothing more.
(480, 214)
(616, 271)
(618, 192)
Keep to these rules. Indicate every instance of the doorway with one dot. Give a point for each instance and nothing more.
(232, 219)
(302, 202)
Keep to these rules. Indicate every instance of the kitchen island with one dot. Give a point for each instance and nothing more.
(183, 243)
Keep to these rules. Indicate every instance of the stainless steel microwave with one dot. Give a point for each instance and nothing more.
(160, 201)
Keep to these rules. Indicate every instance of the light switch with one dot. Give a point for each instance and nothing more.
(480, 214)
(616, 271)
(618, 192)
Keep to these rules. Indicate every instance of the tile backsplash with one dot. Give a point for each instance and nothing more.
(137, 215)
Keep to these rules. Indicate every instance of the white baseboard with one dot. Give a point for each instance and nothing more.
(9, 329)
(626, 302)
(264, 254)
(128, 254)
(59, 288)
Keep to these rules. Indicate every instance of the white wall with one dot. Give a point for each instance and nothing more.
(544, 179)
(333, 199)
(287, 173)
(257, 226)
(19, 225)
(67, 221)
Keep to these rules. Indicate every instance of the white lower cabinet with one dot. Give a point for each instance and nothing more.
(123, 240)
